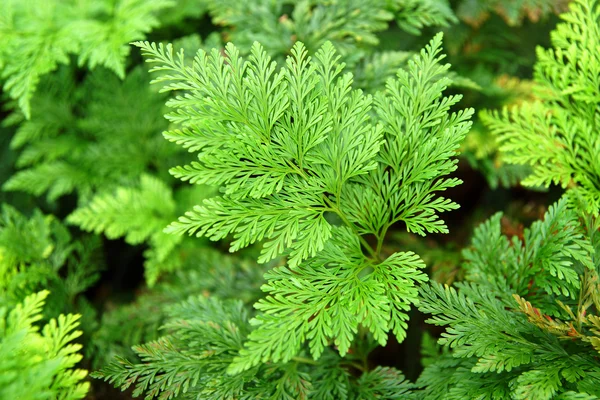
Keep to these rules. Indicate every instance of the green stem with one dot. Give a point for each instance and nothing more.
(381, 238)
(336, 209)
(305, 360)
(356, 365)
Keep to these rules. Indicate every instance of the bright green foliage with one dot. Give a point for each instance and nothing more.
(139, 214)
(294, 148)
(546, 350)
(37, 35)
(135, 214)
(204, 336)
(322, 153)
(295, 157)
(37, 253)
(325, 300)
(544, 265)
(87, 137)
(558, 135)
(38, 364)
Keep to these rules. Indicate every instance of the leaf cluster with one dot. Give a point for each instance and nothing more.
(512, 328)
(557, 135)
(38, 252)
(85, 137)
(37, 36)
(204, 271)
(39, 363)
(205, 334)
(297, 154)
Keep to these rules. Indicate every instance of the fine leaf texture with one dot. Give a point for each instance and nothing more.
(537, 343)
(38, 364)
(296, 152)
(36, 36)
(557, 135)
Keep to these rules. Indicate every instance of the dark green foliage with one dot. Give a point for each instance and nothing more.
(525, 325)
(204, 337)
(203, 271)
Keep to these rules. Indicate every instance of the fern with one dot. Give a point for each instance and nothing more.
(139, 213)
(39, 364)
(320, 149)
(545, 266)
(296, 147)
(349, 25)
(352, 26)
(556, 136)
(414, 15)
(38, 36)
(83, 138)
(205, 335)
(38, 253)
(546, 350)
(525, 324)
(201, 270)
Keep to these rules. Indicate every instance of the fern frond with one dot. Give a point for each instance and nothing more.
(34, 363)
(38, 36)
(556, 136)
(293, 148)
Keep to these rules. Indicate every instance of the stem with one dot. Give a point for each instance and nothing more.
(336, 209)
(381, 238)
(304, 360)
(356, 365)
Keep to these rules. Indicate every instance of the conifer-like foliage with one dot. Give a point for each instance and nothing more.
(205, 336)
(558, 134)
(39, 363)
(525, 324)
(204, 271)
(311, 167)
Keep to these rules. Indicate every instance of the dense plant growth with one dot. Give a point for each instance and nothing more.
(332, 207)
